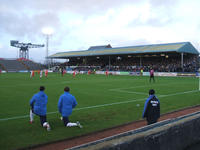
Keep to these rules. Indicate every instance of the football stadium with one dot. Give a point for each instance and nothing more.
(111, 85)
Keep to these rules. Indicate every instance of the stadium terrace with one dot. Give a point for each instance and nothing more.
(19, 65)
(170, 57)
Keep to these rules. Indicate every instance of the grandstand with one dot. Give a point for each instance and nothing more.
(170, 57)
(31, 65)
(19, 65)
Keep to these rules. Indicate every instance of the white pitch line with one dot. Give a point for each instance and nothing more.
(129, 87)
(140, 93)
(97, 106)
(140, 86)
(89, 107)
(180, 93)
(134, 87)
(132, 92)
(12, 118)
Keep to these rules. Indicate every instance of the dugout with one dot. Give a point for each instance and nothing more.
(170, 57)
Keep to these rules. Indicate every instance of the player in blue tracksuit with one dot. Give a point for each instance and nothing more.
(66, 104)
(151, 108)
(38, 105)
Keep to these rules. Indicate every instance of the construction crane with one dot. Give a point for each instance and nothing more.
(24, 48)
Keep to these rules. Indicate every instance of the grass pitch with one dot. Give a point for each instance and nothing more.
(103, 102)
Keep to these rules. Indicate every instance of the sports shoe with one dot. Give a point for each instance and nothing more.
(79, 125)
(30, 122)
(48, 127)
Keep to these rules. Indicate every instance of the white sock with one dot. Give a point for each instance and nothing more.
(70, 124)
(45, 124)
(31, 116)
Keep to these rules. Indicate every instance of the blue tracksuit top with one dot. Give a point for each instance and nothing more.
(146, 104)
(39, 103)
(66, 103)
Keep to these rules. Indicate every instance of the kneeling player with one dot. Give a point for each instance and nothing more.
(66, 104)
(38, 105)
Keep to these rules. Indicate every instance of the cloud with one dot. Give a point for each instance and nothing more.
(26, 18)
(76, 6)
(165, 3)
(79, 24)
(24, 25)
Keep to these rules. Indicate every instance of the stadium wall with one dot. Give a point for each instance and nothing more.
(166, 74)
(174, 134)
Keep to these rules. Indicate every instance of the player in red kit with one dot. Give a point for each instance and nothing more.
(32, 74)
(46, 72)
(89, 72)
(107, 73)
(74, 73)
(64, 71)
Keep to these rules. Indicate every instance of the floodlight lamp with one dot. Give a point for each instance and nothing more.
(162, 54)
(47, 30)
(118, 58)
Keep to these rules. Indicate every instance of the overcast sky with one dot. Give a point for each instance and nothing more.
(79, 24)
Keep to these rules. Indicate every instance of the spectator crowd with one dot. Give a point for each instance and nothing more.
(159, 64)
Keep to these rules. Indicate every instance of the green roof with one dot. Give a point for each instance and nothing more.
(183, 47)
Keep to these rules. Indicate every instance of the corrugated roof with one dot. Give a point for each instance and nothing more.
(100, 47)
(185, 47)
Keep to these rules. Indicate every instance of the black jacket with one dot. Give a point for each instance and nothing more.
(152, 108)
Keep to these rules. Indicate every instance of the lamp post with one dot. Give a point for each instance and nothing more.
(47, 31)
